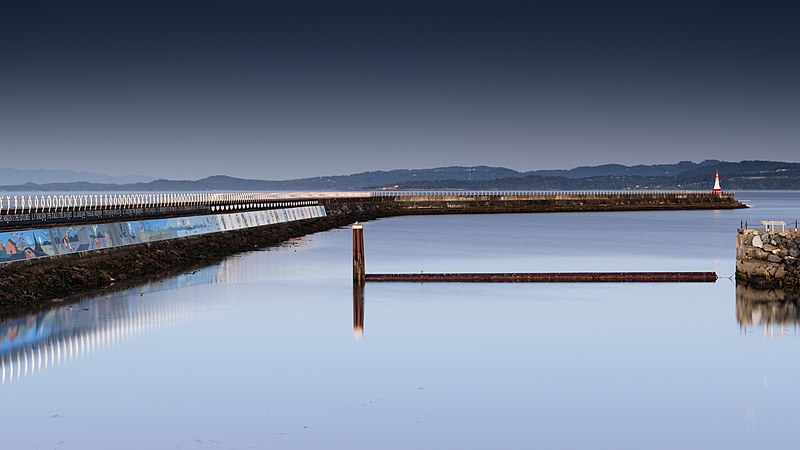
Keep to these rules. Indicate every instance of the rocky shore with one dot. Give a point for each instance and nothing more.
(768, 259)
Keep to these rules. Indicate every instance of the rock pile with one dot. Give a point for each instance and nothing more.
(768, 258)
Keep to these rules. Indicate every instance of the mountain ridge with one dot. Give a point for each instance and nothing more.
(751, 174)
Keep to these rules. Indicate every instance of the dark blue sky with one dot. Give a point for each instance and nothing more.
(186, 89)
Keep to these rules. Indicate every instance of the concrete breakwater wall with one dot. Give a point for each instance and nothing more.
(27, 244)
(489, 203)
(561, 202)
(768, 259)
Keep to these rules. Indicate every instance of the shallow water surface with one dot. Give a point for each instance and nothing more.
(275, 349)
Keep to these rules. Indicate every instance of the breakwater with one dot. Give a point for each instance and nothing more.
(20, 211)
(27, 284)
(522, 202)
(397, 204)
(768, 258)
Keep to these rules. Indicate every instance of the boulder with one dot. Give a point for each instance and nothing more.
(758, 242)
(774, 258)
(750, 267)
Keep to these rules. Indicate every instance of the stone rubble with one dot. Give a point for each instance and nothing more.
(768, 259)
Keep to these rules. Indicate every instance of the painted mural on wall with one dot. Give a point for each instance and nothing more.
(38, 243)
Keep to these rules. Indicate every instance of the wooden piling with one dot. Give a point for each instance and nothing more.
(359, 270)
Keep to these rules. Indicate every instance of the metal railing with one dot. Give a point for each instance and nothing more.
(789, 224)
(20, 209)
(23, 204)
(555, 194)
(17, 210)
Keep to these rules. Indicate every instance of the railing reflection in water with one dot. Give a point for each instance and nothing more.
(772, 312)
(40, 341)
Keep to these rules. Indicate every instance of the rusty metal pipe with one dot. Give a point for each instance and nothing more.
(564, 277)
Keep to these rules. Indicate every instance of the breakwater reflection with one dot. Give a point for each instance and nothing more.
(771, 312)
(37, 342)
(40, 341)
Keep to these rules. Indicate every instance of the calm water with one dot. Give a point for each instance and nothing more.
(268, 350)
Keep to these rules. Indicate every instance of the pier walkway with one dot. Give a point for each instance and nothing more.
(21, 210)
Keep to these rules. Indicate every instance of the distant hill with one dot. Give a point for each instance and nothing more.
(683, 175)
(620, 170)
(744, 175)
(10, 176)
(357, 181)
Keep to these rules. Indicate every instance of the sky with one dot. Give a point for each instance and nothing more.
(289, 89)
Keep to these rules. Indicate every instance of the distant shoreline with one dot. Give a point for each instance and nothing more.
(685, 175)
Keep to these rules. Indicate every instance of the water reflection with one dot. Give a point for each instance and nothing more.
(39, 341)
(358, 311)
(772, 312)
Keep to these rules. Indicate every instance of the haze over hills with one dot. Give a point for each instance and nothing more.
(682, 175)
(11, 176)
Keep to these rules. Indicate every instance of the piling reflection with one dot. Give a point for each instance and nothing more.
(358, 310)
(772, 312)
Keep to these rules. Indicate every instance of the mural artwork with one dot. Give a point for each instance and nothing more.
(38, 243)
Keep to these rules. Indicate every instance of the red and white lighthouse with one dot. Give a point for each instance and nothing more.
(717, 189)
